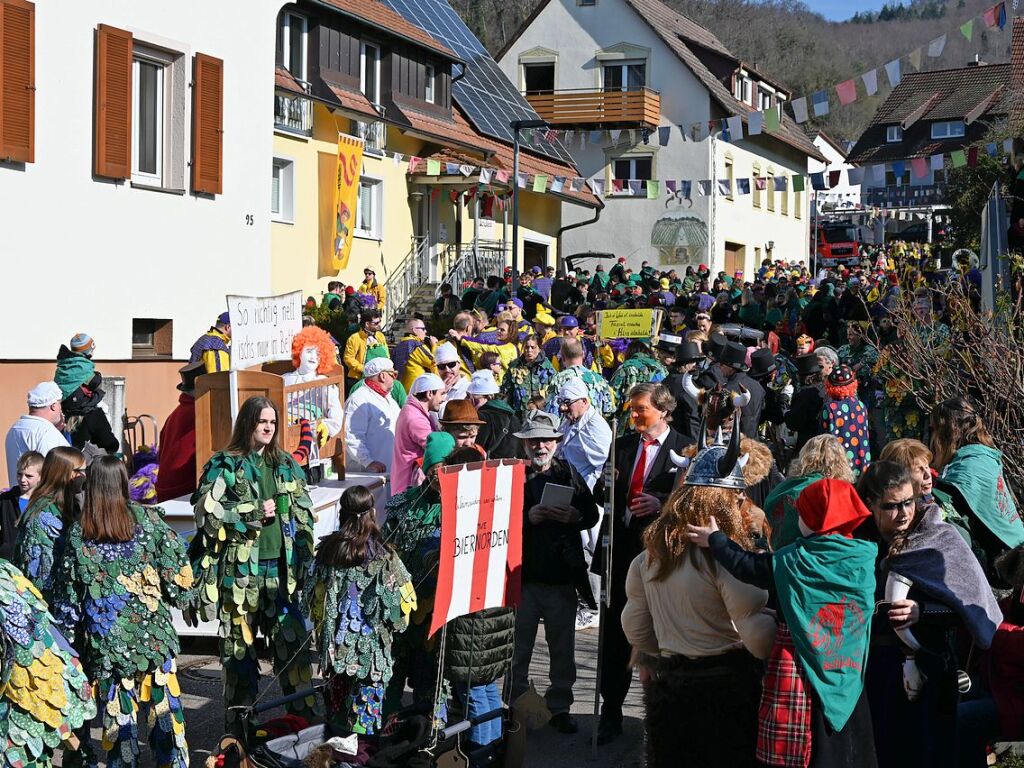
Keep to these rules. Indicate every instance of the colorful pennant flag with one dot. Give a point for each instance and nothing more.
(503, 176)
(755, 121)
(936, 46)
(780, 183)
(724, 187)
(760, 183)
(486, 174)
(743, 186)
(818, 181)
(433, 167)
(557, 184)
(577, 184)
(685, 188)
(598, 186)
(800, 109)
(870, 79)
(522, 179)
(936, 163)
(540, 182)
(617, 186)
(735, 127)
(892, 71)
(653, 190)
(704, 187)
(772, 120)
(967, 29)
(798, 183)
(820, 101)
(972, 156)
(847, 92)
(914, 57)
(919, 167)
(855, 176)
(634, 187)
(959, 158)
(664, 133)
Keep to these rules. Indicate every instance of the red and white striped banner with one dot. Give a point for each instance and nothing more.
(481, 538)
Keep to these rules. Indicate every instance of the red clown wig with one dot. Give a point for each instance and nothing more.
(312, 336)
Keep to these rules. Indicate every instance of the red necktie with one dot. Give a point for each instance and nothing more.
(636, 482)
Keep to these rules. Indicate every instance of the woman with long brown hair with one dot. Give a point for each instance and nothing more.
(251, 556)
(359, 597)
(971, 471)
(42, 529)
(122, 571)
(699, 630)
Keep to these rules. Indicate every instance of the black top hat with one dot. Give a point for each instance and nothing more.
(734, 355)
(667, 342)
(689, 352)
(762, 362)
(715, 345)
(189, 374)
(807, 364)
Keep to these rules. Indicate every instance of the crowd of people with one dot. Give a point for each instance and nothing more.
(806, 568)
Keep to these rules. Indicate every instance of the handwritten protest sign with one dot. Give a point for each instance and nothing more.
(262, 327)
(628, 323)
(481, 538)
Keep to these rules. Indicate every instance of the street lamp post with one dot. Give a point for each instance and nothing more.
(517, 125)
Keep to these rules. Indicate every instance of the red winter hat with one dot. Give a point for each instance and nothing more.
(831, 506)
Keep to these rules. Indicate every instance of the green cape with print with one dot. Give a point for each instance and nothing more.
(826, 586)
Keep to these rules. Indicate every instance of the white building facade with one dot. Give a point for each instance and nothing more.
(109, 228)
(568, 49)
(844, 196)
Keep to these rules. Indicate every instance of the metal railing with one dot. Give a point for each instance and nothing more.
(412, 272)
(463, 263)
(373, 133)
(293, 112)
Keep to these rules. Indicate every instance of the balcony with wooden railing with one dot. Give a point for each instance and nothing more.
(589, 108)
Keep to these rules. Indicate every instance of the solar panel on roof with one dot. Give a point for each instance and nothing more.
(488, 98)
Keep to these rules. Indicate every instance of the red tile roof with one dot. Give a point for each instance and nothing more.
(500, 157)
(1017, 68)
(353, 101)
(379, 15)
(946, 94)
(284, 80)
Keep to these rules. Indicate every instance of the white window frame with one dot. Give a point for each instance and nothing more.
(155, 179)
(748, 91)
(429, 75)
(764, 99)
(285, 168)
(377, 197)
(286, 22)
(624, 65)
(374, 97)
(893, 134)
(632, 160)
(949, 129)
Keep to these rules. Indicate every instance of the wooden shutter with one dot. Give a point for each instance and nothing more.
(113, 109)
(207, 124)
(17, 81)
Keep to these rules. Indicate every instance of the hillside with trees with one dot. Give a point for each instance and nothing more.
(802, 49)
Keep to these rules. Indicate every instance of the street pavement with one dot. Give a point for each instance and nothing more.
(199, 675)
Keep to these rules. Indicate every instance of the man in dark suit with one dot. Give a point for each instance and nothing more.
(681, 358)
(732, 363)
(644, 476)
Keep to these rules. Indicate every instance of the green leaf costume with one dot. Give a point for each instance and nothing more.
(247, 594)
(44, 693)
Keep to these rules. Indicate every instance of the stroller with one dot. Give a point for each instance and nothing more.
(407, 740)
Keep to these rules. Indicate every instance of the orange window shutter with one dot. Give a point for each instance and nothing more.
(207, 124)
(113, 108)
(17, 81)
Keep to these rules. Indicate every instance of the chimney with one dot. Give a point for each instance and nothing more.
(977, 61)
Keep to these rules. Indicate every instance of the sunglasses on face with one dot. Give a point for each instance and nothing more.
(894, 505)
(563, 403)
(447, 365)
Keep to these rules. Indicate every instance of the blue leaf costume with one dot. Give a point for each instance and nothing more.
(114, 599)
(40, 544)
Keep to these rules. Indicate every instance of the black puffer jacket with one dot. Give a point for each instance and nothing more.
(497, 432)
(480, 645)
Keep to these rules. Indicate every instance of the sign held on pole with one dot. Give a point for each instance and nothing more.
(262, 327)
(628, 323)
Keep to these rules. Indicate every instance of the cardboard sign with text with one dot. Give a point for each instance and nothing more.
(628, 323)
(262, 327)
(481, 538)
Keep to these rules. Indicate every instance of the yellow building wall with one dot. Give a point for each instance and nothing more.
(295, 245)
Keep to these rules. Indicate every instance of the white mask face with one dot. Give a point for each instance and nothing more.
(308, 360)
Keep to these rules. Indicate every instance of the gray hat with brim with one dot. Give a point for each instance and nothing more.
(539, 425)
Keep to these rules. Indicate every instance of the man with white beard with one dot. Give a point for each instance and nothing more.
(554, 570)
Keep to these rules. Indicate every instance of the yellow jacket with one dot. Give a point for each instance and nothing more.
(376, 290)
(420, 361)
(355, 352)
(507, 352)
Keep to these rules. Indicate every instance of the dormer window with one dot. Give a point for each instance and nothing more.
(369, 71)
(949, 129)
(893, 134)
(764, 99)
(292, 36)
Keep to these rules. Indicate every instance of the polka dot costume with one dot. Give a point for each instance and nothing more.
(847, 419)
